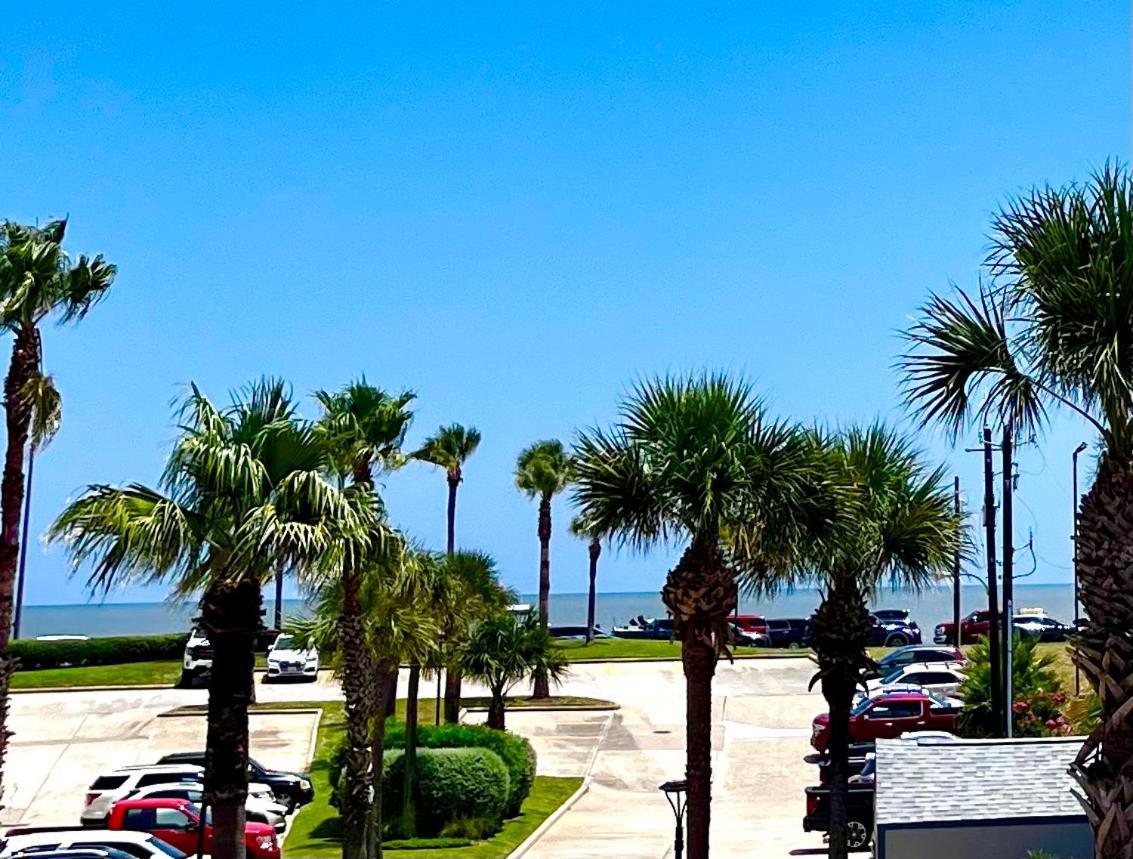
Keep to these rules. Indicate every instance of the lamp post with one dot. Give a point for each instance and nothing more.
(1074, 461)
(675, 792)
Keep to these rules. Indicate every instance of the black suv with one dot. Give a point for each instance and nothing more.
(893, 628)
(788, 632)
(292, 789)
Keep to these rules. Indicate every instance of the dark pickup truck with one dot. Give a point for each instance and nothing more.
(859, 813)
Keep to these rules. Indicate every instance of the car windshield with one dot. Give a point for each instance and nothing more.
(167, 849)
(195, 810)
(937, 698)
(861, 706)
(893, 676)
(284, 643)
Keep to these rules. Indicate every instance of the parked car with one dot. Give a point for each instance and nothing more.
(35, 841)
(899, 615)
(576, 633)
(660, 629)
(745, 638)
(80, 853)
(792, 632)
(894, 633)
(858, 754)
(286, 661)
(122, 781)
(859, 813)
(178, 822)
(943, 678)
(260, 806)
(197, 660)
(1042, 628)
(291, 789)
(890, 714)
(915, 653)
(751, 623)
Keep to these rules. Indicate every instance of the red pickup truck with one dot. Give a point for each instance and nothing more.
(888, 716)
(178, 822)
(975, 626)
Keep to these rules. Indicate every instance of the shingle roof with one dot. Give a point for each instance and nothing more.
(974, 779)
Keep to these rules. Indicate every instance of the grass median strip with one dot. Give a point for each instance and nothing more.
(316, 831)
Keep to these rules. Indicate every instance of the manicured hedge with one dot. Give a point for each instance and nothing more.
(453, 784)
(113, 650)
(516, 752)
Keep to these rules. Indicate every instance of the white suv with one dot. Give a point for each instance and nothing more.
(197, 661)
(126, 779)
(30, 842)
(260, 806)
(285, 660)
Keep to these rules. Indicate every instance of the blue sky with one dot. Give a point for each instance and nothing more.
(517, 209)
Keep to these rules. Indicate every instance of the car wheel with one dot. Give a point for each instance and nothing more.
(185, 681)
(857, 836)
(793, 645)
(896, 640)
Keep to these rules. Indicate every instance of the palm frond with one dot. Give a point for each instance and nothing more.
(41, 397)
(543, 469)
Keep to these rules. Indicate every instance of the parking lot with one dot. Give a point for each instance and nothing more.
(763, 710)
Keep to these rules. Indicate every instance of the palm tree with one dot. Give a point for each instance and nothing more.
(1053, 328)
(542, 471)
(364, 428)
(503, 651)
(38, 279)
(476, 593)
(242, 492)
(579, 528)
(699, 461)
(891, 521)
(449, 448)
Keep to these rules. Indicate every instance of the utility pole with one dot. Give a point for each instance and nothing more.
(956, 567)
(1008, 582)
(1077, 671)
(992, 586)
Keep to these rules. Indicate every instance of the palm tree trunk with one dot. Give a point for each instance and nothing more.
(699, 661)
(356, 805)
(230, 617)
(453, 483)
(409, 791)
(454, 681)
(840, 633)
(591, 600)
(496, 710)
(542, 682)
(389, 692)
(24, 365)
(1104, 652)
(374, 834)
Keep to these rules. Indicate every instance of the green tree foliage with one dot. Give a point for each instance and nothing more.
(453, 783)
(1034, 679)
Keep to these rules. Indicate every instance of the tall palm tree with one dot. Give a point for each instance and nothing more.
(449, 448)
(698, 460)
(38, 280)
(542, 471)
(891, 521)
(1055, 327)
(242, 492)
(579, 528)
(364, 428)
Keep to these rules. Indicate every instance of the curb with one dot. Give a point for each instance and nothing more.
(798, 654)
(587, 708)
(39, 690)
(541, 830)
(183, 713)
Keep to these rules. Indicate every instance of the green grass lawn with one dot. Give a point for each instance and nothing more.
(164, 673)
(631, 648)
(557, 702)
(315, 831)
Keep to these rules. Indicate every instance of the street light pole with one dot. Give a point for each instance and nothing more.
(1074, 459)
(675, 792)
(993, 641)
(956, 567)
(1008, 585)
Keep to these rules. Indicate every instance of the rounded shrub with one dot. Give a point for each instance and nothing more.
(516, 752)
(453, 784)
(112, 650)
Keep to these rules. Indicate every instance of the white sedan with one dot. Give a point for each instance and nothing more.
(943, 678)
(285, 660)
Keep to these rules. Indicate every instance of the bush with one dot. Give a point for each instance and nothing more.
(453, 784)
(470, 828)
(516, 752)
(114, 650)
(1033, 674)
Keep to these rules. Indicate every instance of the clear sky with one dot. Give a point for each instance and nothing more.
(517, 209)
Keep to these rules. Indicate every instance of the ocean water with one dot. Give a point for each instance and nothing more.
(928, 608)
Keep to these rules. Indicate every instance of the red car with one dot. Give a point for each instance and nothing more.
(178, 822)
(753, 623)
(975, 626)
(888, 716)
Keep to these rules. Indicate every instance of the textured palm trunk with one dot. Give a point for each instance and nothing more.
(700, 593)
(356, 680)
(24, 365)
(496, 710)
(592, 597)
(840, 633)
(454, 682)
(230, 617)
(453, 484)
(409, 792)
(542, 682)
(1104, 651)
(389, 692)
